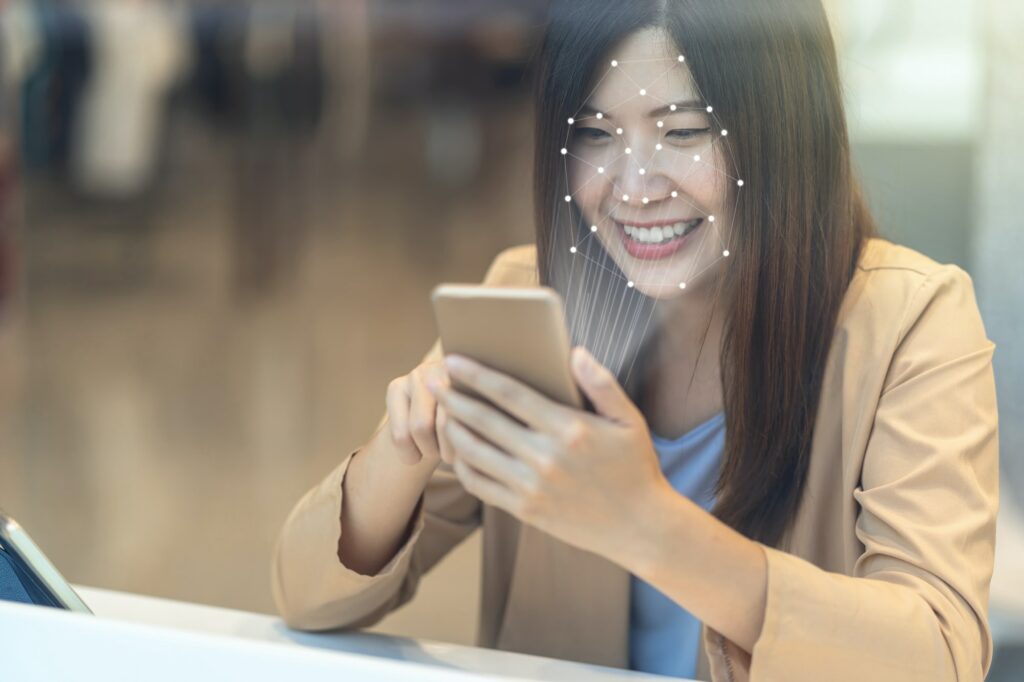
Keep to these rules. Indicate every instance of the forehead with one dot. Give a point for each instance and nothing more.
(646, 60)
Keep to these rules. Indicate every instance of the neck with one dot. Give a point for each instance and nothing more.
(688, 321)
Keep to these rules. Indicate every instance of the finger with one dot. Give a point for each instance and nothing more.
(484, 488)
(397, 401)
(602, 387)
(447, 451)
(511, 395)
(487, 459)
(488, 422)
(423, 418)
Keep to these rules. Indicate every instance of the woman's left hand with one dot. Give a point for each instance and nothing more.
(586, 479)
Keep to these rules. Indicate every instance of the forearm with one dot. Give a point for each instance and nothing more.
(711, 570)
(379, 495)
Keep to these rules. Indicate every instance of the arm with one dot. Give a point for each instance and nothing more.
(915, 607)
(403, 519)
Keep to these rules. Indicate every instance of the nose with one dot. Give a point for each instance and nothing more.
(636, 183)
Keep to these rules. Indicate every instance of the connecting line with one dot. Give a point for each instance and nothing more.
(708, 267)
(655, 80)
(696, 259)
(596, 86)
(647, 61)
(587, 308)
(580, 243)
(613, 108)
(565, 164)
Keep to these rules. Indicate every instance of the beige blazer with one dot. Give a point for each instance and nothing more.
(884, 575)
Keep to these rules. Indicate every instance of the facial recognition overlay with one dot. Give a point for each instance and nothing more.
(649, 195)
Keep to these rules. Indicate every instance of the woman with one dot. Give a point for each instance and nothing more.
(794, 434)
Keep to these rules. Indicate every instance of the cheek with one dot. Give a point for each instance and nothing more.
(706, 185)
(587, 186)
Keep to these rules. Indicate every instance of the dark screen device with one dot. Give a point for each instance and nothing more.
(28, 576)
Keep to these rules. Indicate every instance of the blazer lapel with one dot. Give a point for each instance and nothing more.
(566, 603)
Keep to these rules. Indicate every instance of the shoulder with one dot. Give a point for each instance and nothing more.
(900, 302)
(515, 266)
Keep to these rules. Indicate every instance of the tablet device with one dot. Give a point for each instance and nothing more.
(27, 576)
(517, 331)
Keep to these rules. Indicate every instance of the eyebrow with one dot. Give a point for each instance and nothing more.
(685, 105)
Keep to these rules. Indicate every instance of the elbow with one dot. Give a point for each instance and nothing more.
(968, 644)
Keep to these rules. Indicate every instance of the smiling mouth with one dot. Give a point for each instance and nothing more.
(663, 234)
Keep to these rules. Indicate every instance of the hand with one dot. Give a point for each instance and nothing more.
(415, 420)
(581, 477)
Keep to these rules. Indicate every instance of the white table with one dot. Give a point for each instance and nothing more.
(136, 637)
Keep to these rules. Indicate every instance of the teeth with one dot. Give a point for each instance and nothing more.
(658, 235)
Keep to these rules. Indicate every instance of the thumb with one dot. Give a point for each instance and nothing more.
(601, 386)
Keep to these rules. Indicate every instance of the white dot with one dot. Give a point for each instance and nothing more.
(711, 218)
(564, 151)
(618, 130)
(739, 183)
(599, 116)
(674, 194)
(568, 198)
(571, 121)
(630, 284)
(658, 147)
(724, 133)
(600, 169)
(625, 197)
(593, 228)
(710, 109)
(682, 59)
(726, 253)
(696, 157)
(643, 172)
(672, 107)
(661, 124)
(643, 92)
(646, 200)
(615, 62)
(628, 150)
(572, 249)
(682, 285)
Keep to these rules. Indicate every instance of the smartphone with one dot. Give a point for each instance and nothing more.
(27, 576)
(517, 331)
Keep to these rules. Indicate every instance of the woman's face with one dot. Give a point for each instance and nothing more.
(645, 166)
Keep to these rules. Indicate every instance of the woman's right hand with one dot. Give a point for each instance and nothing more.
(415, 421)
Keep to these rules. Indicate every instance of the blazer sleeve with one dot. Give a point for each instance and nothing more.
(314, 590)
(916, 605)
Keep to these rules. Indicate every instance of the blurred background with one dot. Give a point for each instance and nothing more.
(220, 221)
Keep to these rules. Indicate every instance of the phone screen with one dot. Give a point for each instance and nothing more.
(17, 583)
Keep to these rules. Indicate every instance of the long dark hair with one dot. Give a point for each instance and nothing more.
(769, 68)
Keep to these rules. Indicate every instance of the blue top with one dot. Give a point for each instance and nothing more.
(663, 637)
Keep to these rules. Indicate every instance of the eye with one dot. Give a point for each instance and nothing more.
(591, 134)
(687, 134)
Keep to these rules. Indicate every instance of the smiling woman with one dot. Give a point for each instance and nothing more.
(790, 472)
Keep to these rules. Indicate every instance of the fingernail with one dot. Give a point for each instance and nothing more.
(434, 386)
(455, 363)
(582, 360)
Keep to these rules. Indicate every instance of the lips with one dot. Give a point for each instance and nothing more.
(657, 240)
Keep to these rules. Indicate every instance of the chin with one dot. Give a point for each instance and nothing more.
(661, 292)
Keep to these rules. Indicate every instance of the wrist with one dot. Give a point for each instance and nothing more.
(656, 526)
(387, 457)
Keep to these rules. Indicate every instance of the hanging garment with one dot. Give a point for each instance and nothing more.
(51, 91)
(140, 53)
(21, 42)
